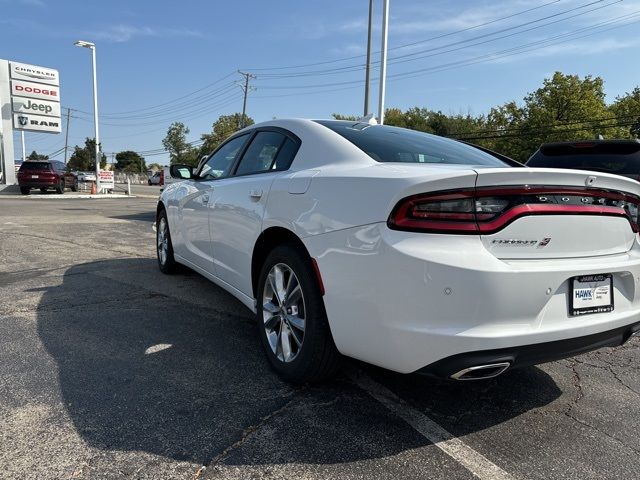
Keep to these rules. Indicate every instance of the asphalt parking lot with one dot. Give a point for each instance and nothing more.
(109, 369)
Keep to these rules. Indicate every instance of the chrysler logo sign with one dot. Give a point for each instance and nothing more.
(23, 71)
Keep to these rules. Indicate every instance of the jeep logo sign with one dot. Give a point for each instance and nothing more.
(40, 107)
(35, 90)
(36, 123)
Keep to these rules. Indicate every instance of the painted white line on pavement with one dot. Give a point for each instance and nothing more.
(462, 453)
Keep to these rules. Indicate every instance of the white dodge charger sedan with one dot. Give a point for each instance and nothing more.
(406, 250)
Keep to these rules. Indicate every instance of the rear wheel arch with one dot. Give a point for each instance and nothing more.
(266, 242)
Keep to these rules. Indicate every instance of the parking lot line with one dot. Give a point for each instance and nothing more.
(462, 453)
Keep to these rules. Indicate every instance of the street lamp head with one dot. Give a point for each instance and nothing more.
(82, 43)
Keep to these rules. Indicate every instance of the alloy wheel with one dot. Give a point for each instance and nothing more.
(163, 241)
(284, 312)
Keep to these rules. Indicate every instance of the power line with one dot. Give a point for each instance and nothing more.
(480, 25)
(407, 57)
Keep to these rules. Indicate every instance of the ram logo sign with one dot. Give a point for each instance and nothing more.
(36, 123)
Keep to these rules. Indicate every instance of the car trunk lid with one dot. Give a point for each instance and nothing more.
(556, 213)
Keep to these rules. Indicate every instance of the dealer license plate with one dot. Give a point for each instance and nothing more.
(591, 294)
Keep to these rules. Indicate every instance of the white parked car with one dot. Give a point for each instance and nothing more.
(406, 250)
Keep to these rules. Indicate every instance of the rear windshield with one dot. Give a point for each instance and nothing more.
(35, 166)
(393, 144)
(621, 159)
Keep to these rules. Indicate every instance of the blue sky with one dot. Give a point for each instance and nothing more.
(161, 60)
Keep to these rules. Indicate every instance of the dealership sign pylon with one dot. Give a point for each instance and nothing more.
(29, 101)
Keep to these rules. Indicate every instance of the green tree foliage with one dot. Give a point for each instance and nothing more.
(154, 166)
(130, 162)
(225, 126)
(83, 158)
(37, 156)
(564, 108)
(627, 109)
(338, 116)
(175, 142)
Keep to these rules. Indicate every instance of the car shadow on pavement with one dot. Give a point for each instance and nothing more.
(171, 365)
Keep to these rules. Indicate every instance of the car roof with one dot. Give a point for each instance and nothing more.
(578, 143)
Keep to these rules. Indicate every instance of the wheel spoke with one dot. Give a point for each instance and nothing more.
(285, 338)
(293, 296)
(278, 351)
(271, 308)
(279, 282)
(271, 323)
(297, 337)
(292, 285)
(296, 322)
(272, 284)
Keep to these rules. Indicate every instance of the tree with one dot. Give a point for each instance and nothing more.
(83, 158)
(154, 166)
(37, 156)
(224, 127)
(339, 116)
(130, 162)
(626, 109)
(175, 142)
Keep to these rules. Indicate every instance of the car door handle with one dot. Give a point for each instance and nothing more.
(255, 194)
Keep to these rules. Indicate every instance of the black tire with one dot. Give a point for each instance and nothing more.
(167, 262)
(25, 190)
(43, 190)
(149, 182)
(60, 187)
(74, 187)
(317, 357)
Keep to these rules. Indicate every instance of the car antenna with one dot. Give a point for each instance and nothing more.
(370, 119)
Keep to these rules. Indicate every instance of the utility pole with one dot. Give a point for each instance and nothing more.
(383, 59)
(368, 68)
(245, 88)
(66, 136)
(24, 148)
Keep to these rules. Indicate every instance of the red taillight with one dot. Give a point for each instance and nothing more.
(488, 210)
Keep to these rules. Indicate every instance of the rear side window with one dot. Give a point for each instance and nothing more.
(393, 144)
(35, 166)
(268, 151)
(620, 159)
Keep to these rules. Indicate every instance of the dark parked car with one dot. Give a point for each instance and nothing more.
(621, 157)
(45, 174)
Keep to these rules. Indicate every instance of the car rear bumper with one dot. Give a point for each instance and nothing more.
(41, 183)
(405, 301)
(526, 355)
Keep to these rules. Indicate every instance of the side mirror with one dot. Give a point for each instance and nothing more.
(184, 172)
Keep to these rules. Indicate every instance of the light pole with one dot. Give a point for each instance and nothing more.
(383, 60)
(92, 47)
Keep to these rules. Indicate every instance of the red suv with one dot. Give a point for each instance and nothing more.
(45, 174)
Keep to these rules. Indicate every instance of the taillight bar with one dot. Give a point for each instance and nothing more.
(489, 210)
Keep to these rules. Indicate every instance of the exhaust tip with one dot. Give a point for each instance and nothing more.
(481, 372)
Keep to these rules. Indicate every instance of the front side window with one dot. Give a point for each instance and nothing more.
(393, 144)
(220, 163)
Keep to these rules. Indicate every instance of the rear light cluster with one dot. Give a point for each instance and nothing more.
(488, 210)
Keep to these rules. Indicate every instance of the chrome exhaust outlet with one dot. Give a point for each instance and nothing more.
(481, 372)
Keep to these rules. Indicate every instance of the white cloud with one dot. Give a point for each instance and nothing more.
(32, 3)
(120, 33)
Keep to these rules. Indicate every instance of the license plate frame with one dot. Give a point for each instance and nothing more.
(591, 294)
